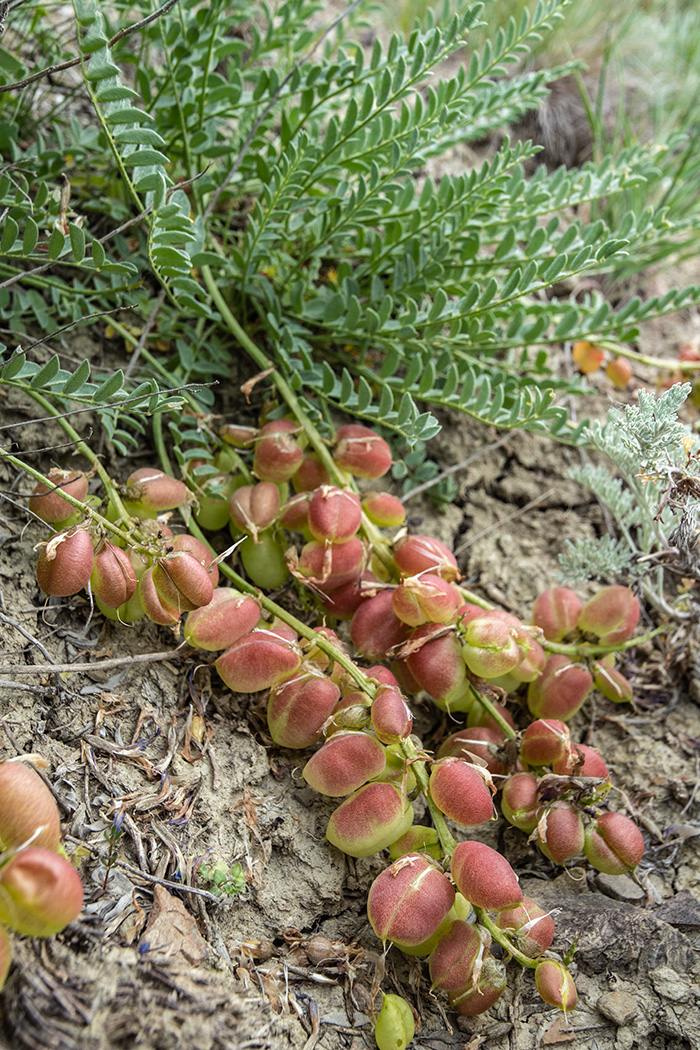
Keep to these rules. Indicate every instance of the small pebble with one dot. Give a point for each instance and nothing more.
(619, 1007)
(620, 888)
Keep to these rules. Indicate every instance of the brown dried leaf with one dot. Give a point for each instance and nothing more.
(171, 932)
(559, 1032)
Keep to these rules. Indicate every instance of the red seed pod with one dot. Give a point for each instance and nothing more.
(65, 563)
(415, 554)
(343, 602)
(312, 473)
(154, 491)
(545, 741)
(361, 452)
(437, 666)
(561, 690)
(344, 763)
(619, 372)
(532, 926)
(199, 551)
(258, 661)
(454, 958)
(294, 515)
(392, 720)
(299, 708)
(255, 507)
(370, 820)
(382, 675)
(495, 643)
(557, 611)
(409, 900)
(425, 599)
(47, 502)
(384, 510)
(614, 844)
(154, 606)
(488, 989)
(228, 617)
(375, 630)
(582, 761)
(559, 832)
(555, 984)
(315, 655)
(113, 579)
(520, 803)
(477, 743)
(5, 955)
(40, 892)
(418, 839)
(334, 514)
(532, 664)
(484, 876)
(613, 685)
(182, 582)
(332, 565)
(611, 615)
(278, 454)
(237, 435)
(461, 791)
(27, 809)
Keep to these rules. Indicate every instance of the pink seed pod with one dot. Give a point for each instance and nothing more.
(361, 452)
(154, 606)
(228, 617)
(199, 551)
(557, 611)
(531, 925)
(258, 661)
(392, 720)
(370, 820)
(344, 763)
(343, 602)
(613, 685)
(415, 554)
(560, 691)
(437, 666)
(332, 565)
(382, 675)
(425, 599)
(312, 473)
(40, 892)
(278, 454)
(454, 958)
(299, 708)
(154, 491)
(611, 615)
(494, 645)
(65, 563)
(384, 510)
(545, 741)
(375, 629)
(484, 876)
(477, 743)
(461, 791)
(113, 579)
(556, 985)
(582, 761)
(479, 998)
(182, 582)
(520, 803)
(559, 832)
(334, 514)
(532, 664)
(418, 839)
(5, 955)
(255, 507)
(614, 845)
(237, 435)
(409, 900)
(47, 502)
(294, 515)
(26, 805)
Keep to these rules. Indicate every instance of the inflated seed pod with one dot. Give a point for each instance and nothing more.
(65, 563)
(370, 820)
(154, 491)
(48, 503)
(361, 451)
(334, 514)
(278, 454)
(345, 762)
(40, 892)
(484, 876)
(228, 617)
(182, 582)
(113, 579)
(409, 900)
(27, 809)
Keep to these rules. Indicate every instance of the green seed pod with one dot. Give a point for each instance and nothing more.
(395, 1025)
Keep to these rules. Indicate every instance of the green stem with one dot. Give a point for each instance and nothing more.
(419, 770)
(495, 714)
(587, 650)
(503, 939)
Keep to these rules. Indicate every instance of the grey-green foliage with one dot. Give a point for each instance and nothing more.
(587, 558)
(294, 165)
